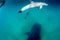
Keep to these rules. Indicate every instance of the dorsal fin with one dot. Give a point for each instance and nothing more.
(32, 1)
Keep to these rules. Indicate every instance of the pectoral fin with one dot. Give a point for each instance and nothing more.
(40, 7)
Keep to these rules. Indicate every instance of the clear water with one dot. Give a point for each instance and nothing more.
(13, 25)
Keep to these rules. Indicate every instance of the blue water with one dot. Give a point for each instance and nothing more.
(13, 25)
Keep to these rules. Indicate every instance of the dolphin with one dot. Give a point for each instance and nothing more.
(34, 34)
(33, 4)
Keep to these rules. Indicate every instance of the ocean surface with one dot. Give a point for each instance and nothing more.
(14, 25)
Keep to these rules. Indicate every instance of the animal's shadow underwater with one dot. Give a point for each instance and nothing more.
(35, 32)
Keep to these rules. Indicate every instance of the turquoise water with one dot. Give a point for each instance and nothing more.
(13, 25)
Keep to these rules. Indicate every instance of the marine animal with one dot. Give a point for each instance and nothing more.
(35, 34)
(33, 4)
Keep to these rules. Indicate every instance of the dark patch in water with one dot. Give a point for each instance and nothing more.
(2, 2)
(26, 15)
(35, 32)
(19, 11)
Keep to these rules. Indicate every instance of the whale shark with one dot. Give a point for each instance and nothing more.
(35, 33)
(33, 4)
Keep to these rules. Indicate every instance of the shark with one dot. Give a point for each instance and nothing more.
(32, 5)
(35, 33)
